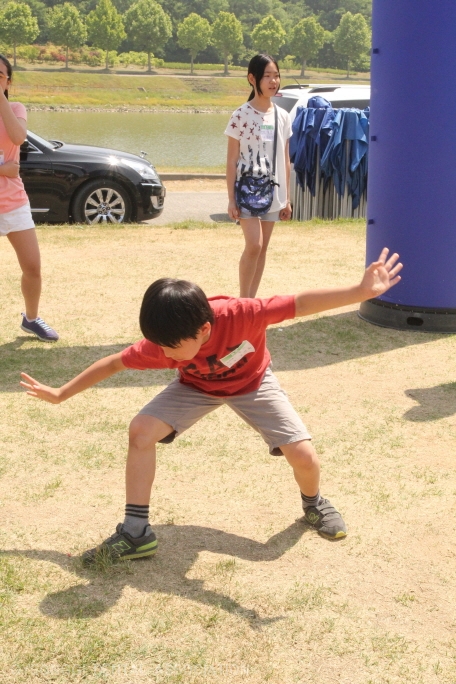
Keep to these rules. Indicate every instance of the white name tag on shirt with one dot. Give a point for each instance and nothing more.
(237, 354)
(267, 132)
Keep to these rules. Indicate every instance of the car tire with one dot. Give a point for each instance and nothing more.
(102, 201)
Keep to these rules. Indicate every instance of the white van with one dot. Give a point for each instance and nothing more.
(292, 96)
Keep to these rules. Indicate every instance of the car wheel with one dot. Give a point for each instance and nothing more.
(102, 201)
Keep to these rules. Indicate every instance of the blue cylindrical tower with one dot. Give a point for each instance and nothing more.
(412, 161)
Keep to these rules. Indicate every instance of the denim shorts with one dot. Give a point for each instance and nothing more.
(271, 216)
(267, 410)
(16, 220)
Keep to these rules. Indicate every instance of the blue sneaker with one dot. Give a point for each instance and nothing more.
(40, 329)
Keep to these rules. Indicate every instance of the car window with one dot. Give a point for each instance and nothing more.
(41, 141)
(353, 104)
(285, 102)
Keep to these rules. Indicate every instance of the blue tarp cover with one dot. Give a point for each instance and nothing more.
(323, 131)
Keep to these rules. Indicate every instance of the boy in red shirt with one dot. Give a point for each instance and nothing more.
(218, 348)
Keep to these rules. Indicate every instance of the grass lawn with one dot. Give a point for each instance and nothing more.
(97, 89)
(241, 590)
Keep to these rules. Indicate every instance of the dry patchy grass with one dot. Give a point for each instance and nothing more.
(240, 590)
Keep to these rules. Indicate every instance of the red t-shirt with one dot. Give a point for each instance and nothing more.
(235, 357)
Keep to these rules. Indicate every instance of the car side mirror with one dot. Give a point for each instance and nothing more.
(26, 146)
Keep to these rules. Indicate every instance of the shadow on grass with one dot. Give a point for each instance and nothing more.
(55, 364)
(165, 573)
(333, 339)
(304, 344)
(434, 403)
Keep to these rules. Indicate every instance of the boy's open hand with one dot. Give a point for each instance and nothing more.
(381, 275)
(36, 389)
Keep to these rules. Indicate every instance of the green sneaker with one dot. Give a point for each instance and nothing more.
(326, 520)
(121, 546)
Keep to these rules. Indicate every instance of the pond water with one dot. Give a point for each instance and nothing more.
(171, 140)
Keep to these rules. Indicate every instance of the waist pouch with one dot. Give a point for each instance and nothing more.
(255, 194)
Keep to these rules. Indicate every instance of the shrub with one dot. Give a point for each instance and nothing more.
(288, 63)
(29, 53)
(135, 58)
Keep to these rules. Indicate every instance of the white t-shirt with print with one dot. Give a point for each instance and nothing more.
(255, 132)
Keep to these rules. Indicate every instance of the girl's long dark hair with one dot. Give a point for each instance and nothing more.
(9, 70)
(257, 65)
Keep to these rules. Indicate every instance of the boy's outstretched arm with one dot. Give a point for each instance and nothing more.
(378, 278)
(98, 371)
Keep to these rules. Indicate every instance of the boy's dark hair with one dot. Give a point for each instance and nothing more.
(173, 310)
(9, 70)
(257, 66)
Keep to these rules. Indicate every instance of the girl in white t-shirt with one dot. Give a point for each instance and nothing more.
(250, 134)
(16, 220)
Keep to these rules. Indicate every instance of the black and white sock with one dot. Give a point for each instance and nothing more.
(310, 500)
(136, 519)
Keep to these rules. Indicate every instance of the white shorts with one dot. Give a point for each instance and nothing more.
(16, 220)
(270, 216)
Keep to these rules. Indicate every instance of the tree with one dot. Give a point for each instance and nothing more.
(307, 38)
(268, 36)
(66, 27)
(148, 27)
(105, 28)
(352, 38)
(40, 11)
(227, 36)
(179, 9)
(330, 12)
(17, 25)
(194, 35)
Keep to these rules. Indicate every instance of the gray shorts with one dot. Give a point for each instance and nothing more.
(267, 410)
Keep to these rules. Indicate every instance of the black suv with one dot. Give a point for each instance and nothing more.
(86, 184)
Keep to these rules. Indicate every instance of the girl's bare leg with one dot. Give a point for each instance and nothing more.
(25, 244)
(266, 230)
(257, 235)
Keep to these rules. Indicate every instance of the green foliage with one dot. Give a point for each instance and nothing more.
(330, 12)
(307, 38)
(66, 27)
(134, 58)
(227, 35)
(253, 25)
(148, 26)
(287, 63)
(29, 53)
(251, 13)
(268, 36)
(40, 11)
(209, 9)
(105, 27)
(199, 67)
(352, 38)
(92, 57)
(17, 25)
(194, 35)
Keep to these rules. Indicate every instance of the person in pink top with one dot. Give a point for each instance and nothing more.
(218, 348)
(16, 220)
